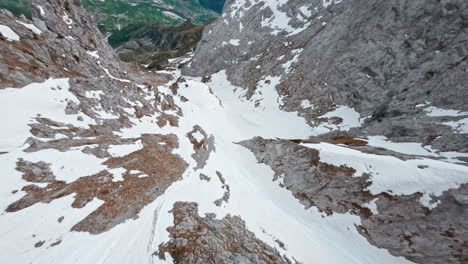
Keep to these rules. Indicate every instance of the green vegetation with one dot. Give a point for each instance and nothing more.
(118, 14)
(173, 26)
(215, 5)
(166, 42)
(17, 7)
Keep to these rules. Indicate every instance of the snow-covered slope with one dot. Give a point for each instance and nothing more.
(269, 211)
(98, 159)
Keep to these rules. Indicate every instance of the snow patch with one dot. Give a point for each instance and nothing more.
(198, 136)
(399, 176)
(234, 42)
(460, 126)
(305, 10)
(350, 117)
(306, 104)
(436, 112)
(31, 27)
(41, 10)
(327, 3)
(172, 15)
(295, 59)
(94, 54)
(410, 148)
(8, 33)
(67, 20)
(94, 94)
(19, 107)
(279, 21)
(122, 150)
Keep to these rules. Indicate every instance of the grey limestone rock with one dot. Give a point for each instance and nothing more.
(195, 239)
(382, 58)
(402, 225)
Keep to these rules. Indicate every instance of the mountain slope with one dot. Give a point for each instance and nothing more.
(380, 77)
(106, 163)
(118, 14)
(154, 44)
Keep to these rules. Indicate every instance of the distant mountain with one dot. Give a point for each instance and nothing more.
(117, 14)
(152, 44)
(17, 7)
(114, 15)
(139, 27)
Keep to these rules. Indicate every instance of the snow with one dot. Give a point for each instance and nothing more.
(327, 3)
(235, 42)
(8, 33)
(198, 136)
(436, 112)
(350, 117)
(412, 148)
(295, 59)
(409, 148)
(305, 10)
(122, 150)
(223, 111)
(113, 77)
(399, 176)
(67, 166)
(18, 243)
(266, 208)
(94, 94)
(67, 19)
(373, 206)
(279, 21)
(18, 107)
(308, 236)
(94, 54)
(172, 15)
(41, 10)
(31, 27)
(306, 104)
(460, 126)
(423, 104)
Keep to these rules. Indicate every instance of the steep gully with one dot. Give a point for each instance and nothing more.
(131, 133)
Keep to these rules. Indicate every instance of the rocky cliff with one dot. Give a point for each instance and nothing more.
(376, 69)
(387, 60)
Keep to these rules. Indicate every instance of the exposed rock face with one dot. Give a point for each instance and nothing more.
(35, 172)
(68, 32)
(314, 183)
(388, 60)
(403, 225)
(203, 145)
(381, 58)
(196, 239)
(158, 168)
(66, 43)
(227, 190)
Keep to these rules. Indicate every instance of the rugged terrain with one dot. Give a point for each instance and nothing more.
(296, 132)
(152, 45)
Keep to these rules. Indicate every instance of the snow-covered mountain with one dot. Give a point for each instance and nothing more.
(297, 132)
